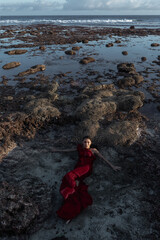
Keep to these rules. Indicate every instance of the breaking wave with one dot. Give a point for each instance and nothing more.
(113, 21)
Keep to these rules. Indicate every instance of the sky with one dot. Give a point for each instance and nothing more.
(79, 7)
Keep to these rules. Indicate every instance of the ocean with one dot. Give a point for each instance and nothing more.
(139, 21)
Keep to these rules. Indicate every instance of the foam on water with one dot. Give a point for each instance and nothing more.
(104, 21)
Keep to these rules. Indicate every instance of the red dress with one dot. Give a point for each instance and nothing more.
(76, 198)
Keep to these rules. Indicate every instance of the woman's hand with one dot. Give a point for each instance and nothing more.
(116, 168)
(77, 182)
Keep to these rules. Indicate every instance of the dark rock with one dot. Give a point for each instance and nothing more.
(11, 65)
(126, 82)
(85, 41)
(125, 53)
(143, 59)
(155, 45)
(43, 48)
(70, 52)
(126, 102)
(18, 211)
(132, 27)
(87, 60)
(118, 41)
(121, 133)
(158, 107)
(126, 67)
(32, 70)
(75, 48)
(18, 51)
(109, 45)
(42, 109)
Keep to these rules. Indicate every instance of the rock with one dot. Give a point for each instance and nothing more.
(17, 209)
(95, 109)
(87, 127)
(155, 45)
(138, 78)
(143, 59)
(126, 67)
(158, 57)
(32, 70)
(9, 98)
(43, 48)
(70, 52)
(18, 51)
(132, 27)
(118, 41)
(125, 53)
(75, 48)
(121, 133)
(85, 41)
(24, 205)
(126, 82)
(87, 60)
(158, 107)
(129, 102)
(11, 65)
(130, 81)
(42, 109)
(109, 45)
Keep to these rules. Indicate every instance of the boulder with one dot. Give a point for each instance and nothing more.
(42, 109)
(75, 48)
(87, 60)
(143, 59)
(11, 65)
(85, 41)
(95, 109)
(109, 45)
(125, 53)
(18, 211)
(122, 133)
(155, 45)
(32, 70)
(126, 82)
(132, 27)
(70, 52)
(126, 67)
(43, 48)
(87, 127)
(16, 52)
(118, 41)
(24, 205)
(129, 102)
(131, 80)
(138, 78)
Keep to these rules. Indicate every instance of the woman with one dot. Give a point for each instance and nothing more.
(73, 189)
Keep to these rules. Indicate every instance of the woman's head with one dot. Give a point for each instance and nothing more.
(86, 142)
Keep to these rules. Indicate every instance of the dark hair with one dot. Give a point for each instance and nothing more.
(92, 145)
(86, 137)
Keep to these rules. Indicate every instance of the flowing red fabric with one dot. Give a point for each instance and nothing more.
(76, 198)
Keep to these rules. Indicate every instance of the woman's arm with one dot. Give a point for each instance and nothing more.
(115, 168)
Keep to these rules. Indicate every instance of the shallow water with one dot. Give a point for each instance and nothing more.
(106, 58)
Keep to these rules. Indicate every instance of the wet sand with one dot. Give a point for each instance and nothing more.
(37, 112)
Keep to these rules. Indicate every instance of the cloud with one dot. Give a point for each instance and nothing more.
(111, 5)
(49, 6)
(36, 5)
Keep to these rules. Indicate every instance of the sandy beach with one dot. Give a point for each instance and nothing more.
(58, 84)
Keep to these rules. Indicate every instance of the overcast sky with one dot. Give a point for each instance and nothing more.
(84, 7)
